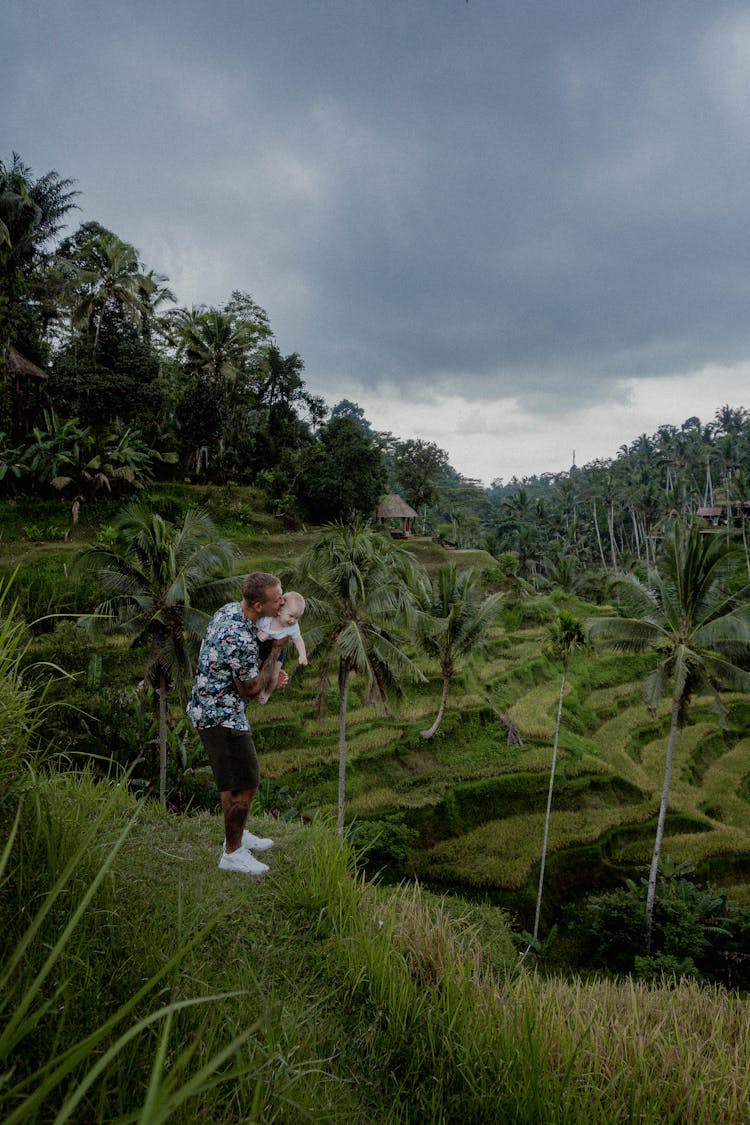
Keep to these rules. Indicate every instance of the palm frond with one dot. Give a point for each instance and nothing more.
(625, 634)
(654, 686)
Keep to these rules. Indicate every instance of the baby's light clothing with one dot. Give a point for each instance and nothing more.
(264, 625)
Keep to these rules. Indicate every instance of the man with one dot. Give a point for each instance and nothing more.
(226, 677)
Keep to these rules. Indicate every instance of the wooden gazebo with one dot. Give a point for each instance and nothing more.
(27, 383)
(396, 514)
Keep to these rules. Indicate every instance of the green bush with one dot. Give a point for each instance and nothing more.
(383, 843)
(696, 930)
(48, 532)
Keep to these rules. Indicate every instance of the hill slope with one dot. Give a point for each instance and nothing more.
(360, 1004)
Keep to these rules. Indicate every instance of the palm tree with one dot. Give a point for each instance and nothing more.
(214, 343)
(154, 582)
(567, 635)
(31, 214)
(109, 278)
(454, 620)
(154, 292)
(698, 628)
(356, 583)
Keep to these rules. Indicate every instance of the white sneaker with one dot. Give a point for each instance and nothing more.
(255, 843)
(241, 860)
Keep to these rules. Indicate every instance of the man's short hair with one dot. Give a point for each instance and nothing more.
(255, 585)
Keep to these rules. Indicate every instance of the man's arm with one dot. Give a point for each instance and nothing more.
(248, 689)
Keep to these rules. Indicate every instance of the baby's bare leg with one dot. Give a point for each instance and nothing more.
(270, 673)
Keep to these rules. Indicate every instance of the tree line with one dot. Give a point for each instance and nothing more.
(97, 357)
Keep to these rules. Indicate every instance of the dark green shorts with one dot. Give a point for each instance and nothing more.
(233, 758)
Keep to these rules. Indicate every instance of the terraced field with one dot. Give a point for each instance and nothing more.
(475, 806)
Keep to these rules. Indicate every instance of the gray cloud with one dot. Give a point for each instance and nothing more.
(535, 202)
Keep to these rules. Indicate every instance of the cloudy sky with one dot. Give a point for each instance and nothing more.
(517, 228)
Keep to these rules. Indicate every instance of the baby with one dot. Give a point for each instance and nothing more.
(276, 630)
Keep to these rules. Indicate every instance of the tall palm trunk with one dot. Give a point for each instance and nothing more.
(549, 803)
(611, 529)
(163, 740)
(599, 538)
(744, 541)
(343, 695)
(651, 895)
(441, 710)
(636, 534)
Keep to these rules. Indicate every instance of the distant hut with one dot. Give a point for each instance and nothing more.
(712, 514)
(395, 513)
(28, 380)
(729, 515)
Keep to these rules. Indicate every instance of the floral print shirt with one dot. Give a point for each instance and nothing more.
(229, 651)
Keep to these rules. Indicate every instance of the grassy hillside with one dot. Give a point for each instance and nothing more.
(313, 994)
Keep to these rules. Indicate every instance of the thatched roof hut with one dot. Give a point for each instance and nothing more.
(27, 382)
(394, 508)
(20, 365)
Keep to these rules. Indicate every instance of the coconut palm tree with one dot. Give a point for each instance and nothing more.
(213, 343)
(154, 292)
(109, 279)
(454, 620)
(699, 629)
(356, 583)
(155, 581)
(567, 635)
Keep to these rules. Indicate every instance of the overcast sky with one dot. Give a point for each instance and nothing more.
(518, 229)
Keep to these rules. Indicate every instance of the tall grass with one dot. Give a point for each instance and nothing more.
(53, 1065)
(453, 1039)
(19, 716)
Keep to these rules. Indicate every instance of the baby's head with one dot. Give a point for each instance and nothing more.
(292, 609)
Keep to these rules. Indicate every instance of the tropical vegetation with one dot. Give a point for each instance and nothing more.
(700, 626)
(210, 385)
(454, 766)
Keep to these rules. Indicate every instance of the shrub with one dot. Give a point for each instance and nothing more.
(695, 929)
(386, 842)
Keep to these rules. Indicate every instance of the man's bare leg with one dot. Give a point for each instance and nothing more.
(235, 805)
